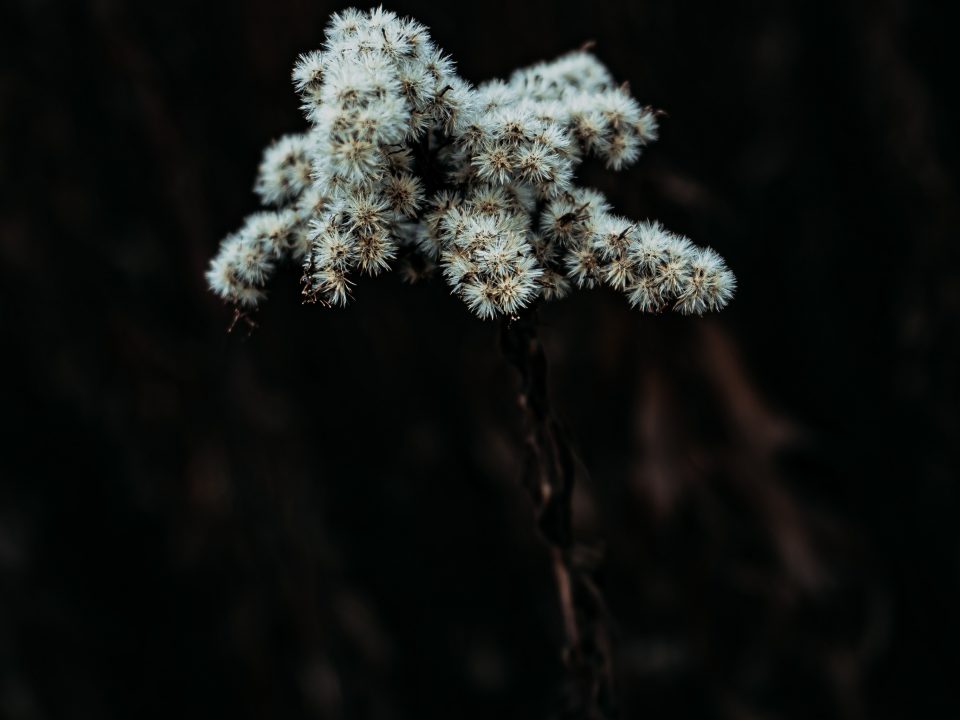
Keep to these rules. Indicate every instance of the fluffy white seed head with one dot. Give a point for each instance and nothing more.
(406, 164)
(285, 171)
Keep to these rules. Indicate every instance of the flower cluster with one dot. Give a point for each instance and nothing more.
(406, 164)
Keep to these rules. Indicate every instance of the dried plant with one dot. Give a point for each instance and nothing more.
(408, 166)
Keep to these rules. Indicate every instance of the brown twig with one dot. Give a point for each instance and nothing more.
(549, 478)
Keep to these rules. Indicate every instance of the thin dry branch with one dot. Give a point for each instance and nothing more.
(548, 477)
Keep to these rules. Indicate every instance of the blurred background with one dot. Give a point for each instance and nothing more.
(322, 519)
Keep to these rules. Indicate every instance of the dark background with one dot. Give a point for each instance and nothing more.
(322, 519)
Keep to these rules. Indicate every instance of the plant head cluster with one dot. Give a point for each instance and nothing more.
(406, 164)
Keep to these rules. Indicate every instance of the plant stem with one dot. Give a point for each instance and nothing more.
(548, 477)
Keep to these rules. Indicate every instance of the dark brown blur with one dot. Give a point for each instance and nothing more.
(323, 520)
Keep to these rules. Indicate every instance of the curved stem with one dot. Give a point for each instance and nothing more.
(548, 477)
